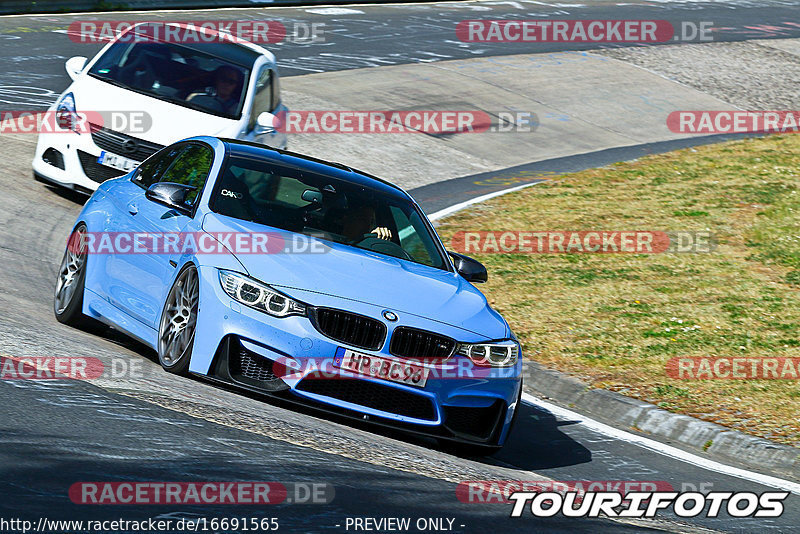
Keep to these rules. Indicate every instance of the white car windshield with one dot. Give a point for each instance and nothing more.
(188, 76)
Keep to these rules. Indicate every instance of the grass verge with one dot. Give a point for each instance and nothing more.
(615, 320)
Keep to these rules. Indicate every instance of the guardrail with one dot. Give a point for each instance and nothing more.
(12, 7)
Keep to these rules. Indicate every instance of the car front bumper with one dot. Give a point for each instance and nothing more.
(77, 153)
(241, 346)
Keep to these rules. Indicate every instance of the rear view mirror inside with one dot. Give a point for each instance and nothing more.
(312, 195)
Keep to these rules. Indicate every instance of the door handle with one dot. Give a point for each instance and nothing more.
(133, 209)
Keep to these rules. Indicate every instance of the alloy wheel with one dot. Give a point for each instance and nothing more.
(72, 267)
(176, 332)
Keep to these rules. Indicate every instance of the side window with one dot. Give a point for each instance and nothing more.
(151, 170)
(414, 239)
(191, 167)
(276, 89)
(262, 96)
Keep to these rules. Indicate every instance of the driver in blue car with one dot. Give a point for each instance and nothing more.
(356, 225)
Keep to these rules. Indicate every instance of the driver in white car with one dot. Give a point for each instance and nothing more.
(224, 96)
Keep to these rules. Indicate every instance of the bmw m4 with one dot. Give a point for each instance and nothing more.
(299, 278)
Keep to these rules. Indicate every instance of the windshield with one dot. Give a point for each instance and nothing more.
(326, 208)
(177, 74)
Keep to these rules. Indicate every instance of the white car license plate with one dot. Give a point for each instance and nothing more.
(408, 373)
(118, 162)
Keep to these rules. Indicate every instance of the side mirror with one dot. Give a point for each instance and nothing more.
(472, 270)
(75, 65)
(171, 195)
(265, 123)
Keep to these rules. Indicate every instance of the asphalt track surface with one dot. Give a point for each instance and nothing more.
(34, 48)
(152, 426)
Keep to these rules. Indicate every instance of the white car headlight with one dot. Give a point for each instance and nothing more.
(259, 296)
(66, 116)
(496, 354)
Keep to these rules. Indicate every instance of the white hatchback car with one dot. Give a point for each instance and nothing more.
(174, 90)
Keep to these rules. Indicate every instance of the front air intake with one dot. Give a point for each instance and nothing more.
(413, 343)
(351, 328)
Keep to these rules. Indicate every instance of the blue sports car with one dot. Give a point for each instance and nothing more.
(299, 278)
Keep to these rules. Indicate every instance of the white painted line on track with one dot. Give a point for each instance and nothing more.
(461, 205)
(664, 449)
(73, 33)
(334, 11)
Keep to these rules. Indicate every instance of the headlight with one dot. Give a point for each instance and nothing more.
(498, 354)
(66, 116)
(259, 296)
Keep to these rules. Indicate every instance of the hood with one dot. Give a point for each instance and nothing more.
(167, 122)
(375, 279)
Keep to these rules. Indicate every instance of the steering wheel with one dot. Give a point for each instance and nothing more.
(374, 243)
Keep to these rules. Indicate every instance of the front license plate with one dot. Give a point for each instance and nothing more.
(118, 162)
(403, 372)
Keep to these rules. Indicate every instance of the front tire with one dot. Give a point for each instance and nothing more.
(176, 330)
(68, 299)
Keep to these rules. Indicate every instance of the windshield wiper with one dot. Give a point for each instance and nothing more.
(182, 102)
(112, 81)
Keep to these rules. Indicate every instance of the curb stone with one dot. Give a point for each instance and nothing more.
(700, 437)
